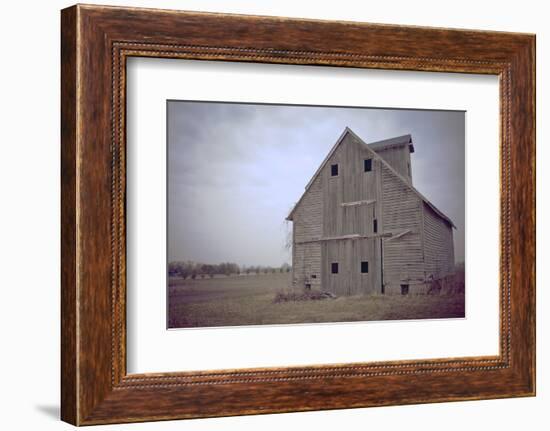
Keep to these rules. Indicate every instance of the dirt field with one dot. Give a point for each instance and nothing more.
(249, 300)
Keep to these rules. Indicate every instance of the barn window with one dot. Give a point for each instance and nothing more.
(375, 225)
(368, 165)
(334, 268)
(364, 267)
(404, 289)
(314, 276)
(334, 170)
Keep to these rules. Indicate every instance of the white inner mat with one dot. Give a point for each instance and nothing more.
(153, 348)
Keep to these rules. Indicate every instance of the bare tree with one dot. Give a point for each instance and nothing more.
(288, 236)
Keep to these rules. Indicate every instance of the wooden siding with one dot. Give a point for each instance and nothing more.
(349, 254)
(438, 245)
(308, 215)
(350, 186)
(403, 258)
(334, 223)
(308, 227)
(351, 202)
(306, 264)
(399, 158)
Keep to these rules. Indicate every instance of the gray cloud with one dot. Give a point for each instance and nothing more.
(235, 170)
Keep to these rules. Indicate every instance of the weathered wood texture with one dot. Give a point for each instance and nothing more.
(349, 254)
(399, 158)
(401, 215)
(96, 41)
(438, 246)
(352, 184)
(306, 253)
(339, 212)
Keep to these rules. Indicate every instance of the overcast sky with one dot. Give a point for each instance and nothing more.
(236, 170)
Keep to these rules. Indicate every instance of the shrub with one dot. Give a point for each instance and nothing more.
(306, 295)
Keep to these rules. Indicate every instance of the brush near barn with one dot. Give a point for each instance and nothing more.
(362, 228)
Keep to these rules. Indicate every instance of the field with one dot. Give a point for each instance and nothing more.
(250, 300)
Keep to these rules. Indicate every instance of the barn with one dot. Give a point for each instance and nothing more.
(361, 227)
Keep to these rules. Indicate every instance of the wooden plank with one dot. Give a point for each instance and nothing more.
(439, 247)
(357, 203)
(349, 209)
(403, 257)
(399, 158)
(350, 237)
(307, 231)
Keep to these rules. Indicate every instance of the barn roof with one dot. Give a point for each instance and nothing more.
(399, 141)
(375, 146)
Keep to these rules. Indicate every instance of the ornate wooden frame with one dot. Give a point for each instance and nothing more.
(95, 43)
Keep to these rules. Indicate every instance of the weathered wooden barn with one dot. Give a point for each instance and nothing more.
(361, 226)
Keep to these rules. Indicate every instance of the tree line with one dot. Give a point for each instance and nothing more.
(188, 269)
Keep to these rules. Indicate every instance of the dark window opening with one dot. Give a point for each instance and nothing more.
(364, 267)
(375, 225)
(404, 289)
(314, 276)
(334, 268)
(368, 165)
(308, 286)
(334, 170)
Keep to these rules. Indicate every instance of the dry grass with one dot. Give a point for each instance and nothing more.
(304, 295)
(249, 300)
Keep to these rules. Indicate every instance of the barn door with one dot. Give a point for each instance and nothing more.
(336, 258)
(368, 265)
(351, 267)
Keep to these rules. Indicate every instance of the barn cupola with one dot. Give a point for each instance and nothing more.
(397, 153)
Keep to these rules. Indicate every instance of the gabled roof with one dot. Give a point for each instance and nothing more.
(399, 141)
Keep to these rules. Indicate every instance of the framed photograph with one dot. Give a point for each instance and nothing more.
(361, 242)
(264, 214)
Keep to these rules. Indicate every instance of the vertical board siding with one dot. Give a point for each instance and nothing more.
(352, 184)
(438, 245)
(349, 254)
(401, 211)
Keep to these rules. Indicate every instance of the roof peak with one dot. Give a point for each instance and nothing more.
(384, 144)
(384, 162)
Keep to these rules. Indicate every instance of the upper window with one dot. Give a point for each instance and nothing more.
(364, 267)
(368, 165)
(375, 226)
(334, 268)
(334, 170)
